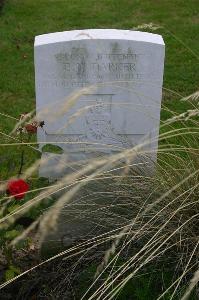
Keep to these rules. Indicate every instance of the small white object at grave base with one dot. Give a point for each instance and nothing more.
(99, 92)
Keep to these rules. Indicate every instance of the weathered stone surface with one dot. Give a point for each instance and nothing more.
(99, 92)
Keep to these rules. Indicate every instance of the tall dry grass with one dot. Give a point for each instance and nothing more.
(145, 219)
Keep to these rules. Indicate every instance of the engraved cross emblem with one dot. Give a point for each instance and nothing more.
(98, 117)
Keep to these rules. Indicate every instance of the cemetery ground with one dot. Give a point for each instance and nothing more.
(171, 258)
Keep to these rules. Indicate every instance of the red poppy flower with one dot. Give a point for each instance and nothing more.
(17, 188)
(31, 128)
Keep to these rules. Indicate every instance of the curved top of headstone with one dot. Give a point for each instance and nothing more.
(89, 34)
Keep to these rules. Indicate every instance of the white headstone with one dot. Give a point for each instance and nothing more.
(98, 91)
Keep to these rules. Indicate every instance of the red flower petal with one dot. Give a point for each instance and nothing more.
(17, 188)
(31, 128)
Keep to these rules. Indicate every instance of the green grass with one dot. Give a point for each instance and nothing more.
(22, 20)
